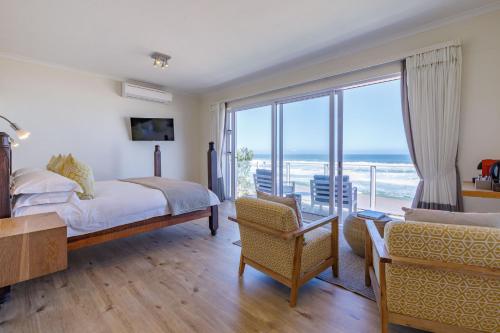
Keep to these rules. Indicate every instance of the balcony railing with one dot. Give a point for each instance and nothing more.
(381, 186)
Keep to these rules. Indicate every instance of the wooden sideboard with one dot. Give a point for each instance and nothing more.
(469, 190)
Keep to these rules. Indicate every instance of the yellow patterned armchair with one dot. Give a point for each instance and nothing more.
(436, 277)
(273, 243)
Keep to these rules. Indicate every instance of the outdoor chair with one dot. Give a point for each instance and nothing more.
(320, 192)
(264, 182)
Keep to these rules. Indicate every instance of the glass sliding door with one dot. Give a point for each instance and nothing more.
(253, 151)
(306, 152)
(376, 157)
(341, 148)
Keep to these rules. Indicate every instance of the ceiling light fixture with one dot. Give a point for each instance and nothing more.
(160, 60)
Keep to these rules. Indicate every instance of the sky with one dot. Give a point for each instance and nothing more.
(373, 123)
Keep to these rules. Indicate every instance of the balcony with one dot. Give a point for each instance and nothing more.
(381, 186)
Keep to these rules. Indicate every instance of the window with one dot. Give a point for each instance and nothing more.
(312, 145)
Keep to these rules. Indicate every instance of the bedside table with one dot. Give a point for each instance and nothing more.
(31, 246)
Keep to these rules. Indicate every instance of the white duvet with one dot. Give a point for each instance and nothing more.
(115, 203)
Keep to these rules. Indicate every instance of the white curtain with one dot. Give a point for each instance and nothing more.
(433, 92)
(218, 113)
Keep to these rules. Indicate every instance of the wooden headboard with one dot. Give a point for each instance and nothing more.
(5, 171)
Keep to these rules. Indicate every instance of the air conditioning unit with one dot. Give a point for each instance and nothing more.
(133, 90)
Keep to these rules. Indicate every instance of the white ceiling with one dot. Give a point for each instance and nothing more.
(212, 42)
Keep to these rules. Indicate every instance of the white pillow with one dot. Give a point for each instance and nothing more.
(491, 220)
(23, 171)
(43, 181)
(25, 200)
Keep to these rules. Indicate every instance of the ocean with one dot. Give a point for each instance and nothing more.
(395, 174)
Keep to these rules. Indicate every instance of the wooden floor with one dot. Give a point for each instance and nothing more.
(179, 279)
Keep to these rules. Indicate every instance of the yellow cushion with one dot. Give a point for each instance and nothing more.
(270, 214)
(478, 246)
(80, 173)
(56, 163)
(317, 249)
(287, 201)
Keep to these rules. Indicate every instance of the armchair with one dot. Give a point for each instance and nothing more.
(273, 243)
(435, 277)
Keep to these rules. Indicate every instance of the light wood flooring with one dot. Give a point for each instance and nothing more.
(179, 279)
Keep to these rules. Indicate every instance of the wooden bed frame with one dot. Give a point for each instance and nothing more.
(122, 231)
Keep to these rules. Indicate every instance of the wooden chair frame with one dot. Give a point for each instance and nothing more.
(297, 279)
(375, 242)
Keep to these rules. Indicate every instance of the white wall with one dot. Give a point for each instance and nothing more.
(480, 117)
(83, 114)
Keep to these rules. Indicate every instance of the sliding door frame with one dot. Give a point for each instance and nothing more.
(233, 138)
(335, 135)
(280, 104)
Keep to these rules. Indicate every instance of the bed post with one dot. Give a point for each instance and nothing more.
(157, 155)
(5, 209)
(213, 220)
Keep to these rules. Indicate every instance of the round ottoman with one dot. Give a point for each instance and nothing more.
(354, 233)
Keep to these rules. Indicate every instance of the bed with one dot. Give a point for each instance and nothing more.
(111, 212)
(119, 209)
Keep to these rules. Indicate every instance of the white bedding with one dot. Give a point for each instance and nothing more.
(115, 203)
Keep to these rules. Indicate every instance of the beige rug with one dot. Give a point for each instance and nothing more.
(351, 271)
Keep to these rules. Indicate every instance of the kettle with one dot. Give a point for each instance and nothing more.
(495, 172)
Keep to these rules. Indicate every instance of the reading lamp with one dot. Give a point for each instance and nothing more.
(21, 133)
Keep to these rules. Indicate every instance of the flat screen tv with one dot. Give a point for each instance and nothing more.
(152, 129)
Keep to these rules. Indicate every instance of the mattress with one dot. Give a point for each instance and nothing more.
(116, 203)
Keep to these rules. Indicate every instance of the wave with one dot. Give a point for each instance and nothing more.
(346, 164)
(393, 180)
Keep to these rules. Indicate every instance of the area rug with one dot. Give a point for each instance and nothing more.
(351, 271)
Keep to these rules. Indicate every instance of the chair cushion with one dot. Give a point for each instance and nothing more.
(463, 300)
(270, 214)
(287, 201)
(479, 246)
(317, 248)
(438, 216)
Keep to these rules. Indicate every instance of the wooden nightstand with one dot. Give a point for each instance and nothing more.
(31, 246)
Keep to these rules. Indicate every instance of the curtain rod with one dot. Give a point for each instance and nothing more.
(398, 58)
(432, 47)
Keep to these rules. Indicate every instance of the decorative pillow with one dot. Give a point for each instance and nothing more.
(56, 163)
(287, 201)
(491, 220)
(80, 173)
(42, 181)
(25, 200)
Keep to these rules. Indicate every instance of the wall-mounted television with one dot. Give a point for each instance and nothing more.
(152, 129)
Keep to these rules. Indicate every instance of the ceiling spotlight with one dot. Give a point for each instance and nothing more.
(160, 60)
